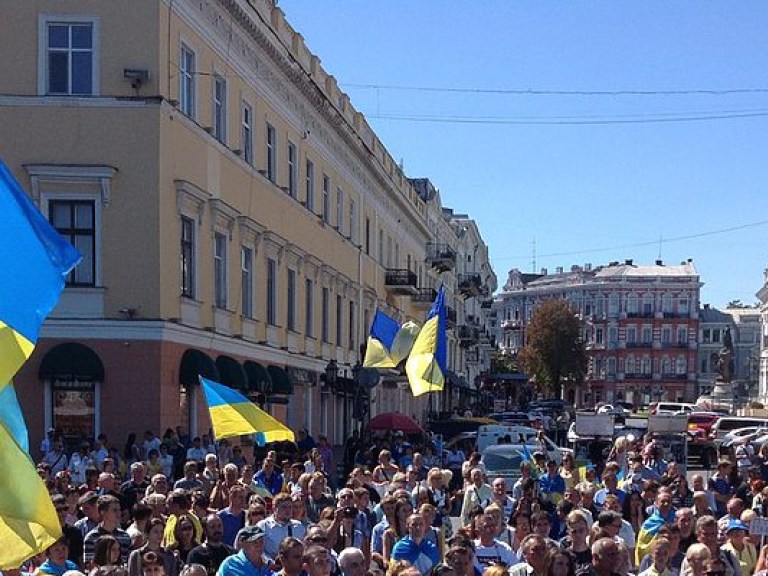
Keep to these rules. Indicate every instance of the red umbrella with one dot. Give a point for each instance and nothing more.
(395, 421)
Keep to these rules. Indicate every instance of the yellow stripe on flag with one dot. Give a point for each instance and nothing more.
(28, 521)
(16, 349)
(424, 373)
(239, 419)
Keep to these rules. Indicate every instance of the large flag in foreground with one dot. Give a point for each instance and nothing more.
(426, 365)
(28, 521)
(388, 342)
(232, 414)
(12, 418)
(34, 260)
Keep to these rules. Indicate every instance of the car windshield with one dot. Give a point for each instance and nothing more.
(502, 462)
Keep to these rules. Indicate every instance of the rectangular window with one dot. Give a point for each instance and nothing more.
(326, 199)
(368, 236)
(598, 335)
(220, 270)
(76, 221)
(292, 169)
(271, 292)
(309, 307)
(271, 168)
(187, 257)
(246, 269)
(666, 335)
(325, 304)
(309, 200)
(70, 58)
(219, 109)
(381, 246)
(352, 220)
(187, 86)
(682, 335)
(351, 326)
(706, 337)
(647, 335)
(291, 301)
(631, 335)
(246, 133)
(339, 319)
(340, 210)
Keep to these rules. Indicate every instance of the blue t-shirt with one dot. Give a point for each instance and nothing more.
(232, 524)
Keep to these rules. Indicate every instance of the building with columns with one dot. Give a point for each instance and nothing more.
(238, 219)
(640, 327)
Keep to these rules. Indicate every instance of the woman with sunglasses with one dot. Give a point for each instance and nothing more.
(184, 536)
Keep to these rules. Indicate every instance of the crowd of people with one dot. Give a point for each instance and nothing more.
(175, 506)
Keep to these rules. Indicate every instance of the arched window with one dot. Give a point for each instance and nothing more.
(682, 365)
(666, 365)
(646, 365)
(629, 365)
(72, 374)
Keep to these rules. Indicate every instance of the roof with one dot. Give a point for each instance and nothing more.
(713, 315)
(631, 270)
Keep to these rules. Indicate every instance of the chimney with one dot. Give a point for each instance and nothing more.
(543, 271)
(559, 270)
(628, 262)
(659, 263)
(706, 306)
(588, 267)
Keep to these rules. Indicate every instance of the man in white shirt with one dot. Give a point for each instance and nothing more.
(489, 550)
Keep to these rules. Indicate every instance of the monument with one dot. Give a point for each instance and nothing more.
(723, 391)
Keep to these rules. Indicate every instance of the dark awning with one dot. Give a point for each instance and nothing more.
(258, 377)
(277, 400)
(72, 360)
(232, 373)
(281, 381)
(196, 363)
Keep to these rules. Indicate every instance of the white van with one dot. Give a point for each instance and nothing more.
(520, 438)
(672, 408)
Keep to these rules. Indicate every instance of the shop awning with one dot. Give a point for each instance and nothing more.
(195, 363)
(258, 377)
(72, 360)
(231, 373)
(281, 380)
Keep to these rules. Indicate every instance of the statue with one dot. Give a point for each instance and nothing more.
(725, 362)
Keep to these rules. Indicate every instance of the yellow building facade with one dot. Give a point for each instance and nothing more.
(237, 216)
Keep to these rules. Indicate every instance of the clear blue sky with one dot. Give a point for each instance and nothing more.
(587, 192)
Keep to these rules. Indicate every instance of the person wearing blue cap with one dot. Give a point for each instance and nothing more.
(740, 546)
(250, 560)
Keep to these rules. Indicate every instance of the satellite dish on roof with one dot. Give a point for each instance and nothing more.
(368, 377)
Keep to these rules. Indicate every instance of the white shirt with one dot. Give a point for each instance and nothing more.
(276, 533)
(498, 552)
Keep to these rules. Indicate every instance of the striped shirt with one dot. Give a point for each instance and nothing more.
(89, 543)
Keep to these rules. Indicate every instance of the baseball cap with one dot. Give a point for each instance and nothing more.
(736, 525)
(251, 534)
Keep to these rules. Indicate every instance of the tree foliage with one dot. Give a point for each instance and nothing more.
(554, 347)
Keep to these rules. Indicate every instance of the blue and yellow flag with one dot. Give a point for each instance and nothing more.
(12, 417)
(648, 532)
(35, 261)
(232, 414)
(426, 365)
(28, 521)
(388, 342)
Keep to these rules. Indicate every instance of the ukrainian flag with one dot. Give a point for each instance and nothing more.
(426, 365)
(28, 521)
(232, 414)
(12, 417)
(648, 532)
(388, 342)
(35, 260)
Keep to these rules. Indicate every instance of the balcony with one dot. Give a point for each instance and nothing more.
(639, 344)
(441, 256)
(643, 314)
(470, 285)
(424, 298)
(511, 324)
(636, 376)
(400, 282)
(678, 345)
(677, 314)
(674, 376)
(468, 336)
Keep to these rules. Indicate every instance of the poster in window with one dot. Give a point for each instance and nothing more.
(74, 412)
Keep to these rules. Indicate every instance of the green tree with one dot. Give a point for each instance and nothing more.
(554, 347)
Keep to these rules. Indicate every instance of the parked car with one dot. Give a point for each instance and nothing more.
(672, 408)
(740, 434)
(728, 424)
(503, 461)
(619, 412)
(520, 418)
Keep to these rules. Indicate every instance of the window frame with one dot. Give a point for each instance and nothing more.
(309, 185)
(220, 263)
(270, 141)
(325, 304)
(290, 301)
(246, 131)
(46, 19)
(309, 307)
(74, 232)
(187, 82)
(292, 153)
(326, 214)
(189, 272)
(271, 295)
(340, 210)
(219, 108)
(246, 281)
